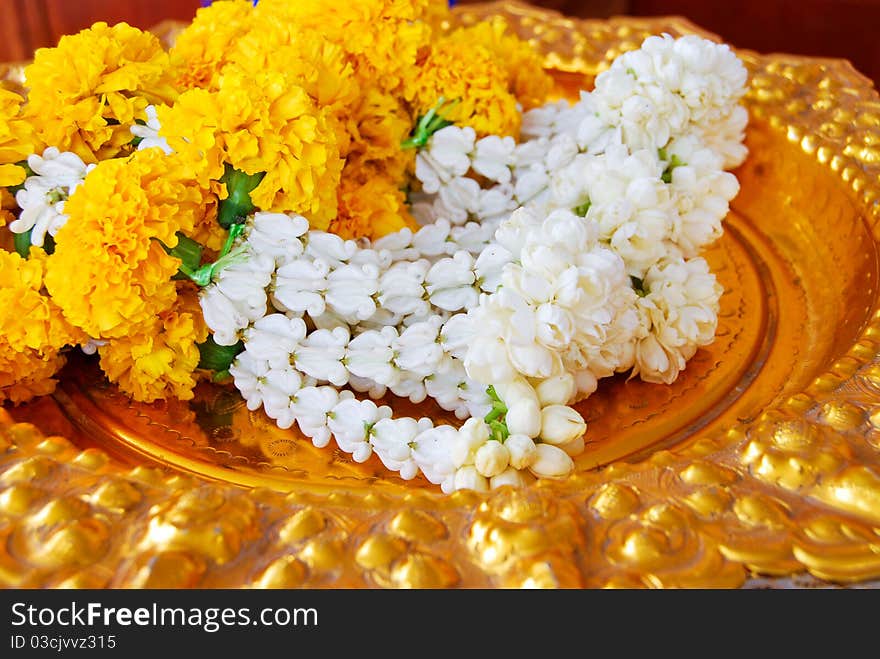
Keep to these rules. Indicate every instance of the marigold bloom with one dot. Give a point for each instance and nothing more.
(110, 272)
(25, 375)
(382, 39)
(378, 124)
(473, 80)
(370, 205)
(260, 122)
(308, 60)
(527, 79)
(202, 50)
(29, 318)
(17, 139)
(32, 329)
(314, 62)
(85, 93)
(159, 361)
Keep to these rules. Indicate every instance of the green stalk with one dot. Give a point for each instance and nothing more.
(237, 205)
(427, 125)
(22, 242)
(190, 254)
(218, 358)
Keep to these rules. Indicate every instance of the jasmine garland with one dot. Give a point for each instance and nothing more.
(541, 267)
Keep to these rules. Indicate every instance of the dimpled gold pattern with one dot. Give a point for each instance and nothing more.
(783, 479)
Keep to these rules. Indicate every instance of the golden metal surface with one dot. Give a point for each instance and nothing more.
(763, 459)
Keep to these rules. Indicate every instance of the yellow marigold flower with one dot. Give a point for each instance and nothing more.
(315, 63)
(25, 375)
(85, 93)
(370, 205)
(17, 139)
(110, 273)
(319, 66)
(207, 231)
(527, 79)
(378, 124)
(469, 75)
(32, 329)
(159, 361)
(383, 38)
(29, 318)
(260, 122)
(202, 50)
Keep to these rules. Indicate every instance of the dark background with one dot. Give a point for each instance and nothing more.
(830, 28)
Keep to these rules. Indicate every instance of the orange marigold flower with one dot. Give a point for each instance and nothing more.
(383, 39)
(468, 75)
(527, 79)
(29, 318)
(25, 375)
(260, 122)
(84, 94)
(17, 139)
(202, 50)
(370, 205)
(159, 361)
(378, 124)
(32, 329)
(110, 272)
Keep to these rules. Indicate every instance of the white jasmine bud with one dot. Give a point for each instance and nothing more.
(516, 389)
(471, 436)
(509, 476)
(551, 462)
(524, 417)
(561, 424)
(491, 459)
(468, 478)
(522, 449)
(557, 390)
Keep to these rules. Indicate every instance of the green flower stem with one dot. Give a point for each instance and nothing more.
(22, 242)
(237, 205)
(496, 413)
(190, 253)
(218, 358)
(495, 418)
(493, 395)
(672, 163)
(234, 232)
(499, 431)
(429, 124)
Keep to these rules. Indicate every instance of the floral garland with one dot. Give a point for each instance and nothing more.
(313, 236)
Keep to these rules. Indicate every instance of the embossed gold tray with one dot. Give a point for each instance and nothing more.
(763, 459)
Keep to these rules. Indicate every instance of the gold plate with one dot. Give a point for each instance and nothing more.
(762, 459)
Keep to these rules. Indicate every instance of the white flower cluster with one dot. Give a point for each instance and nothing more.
(642, 160)
(449, 193)
(56, 175)
(541, 267)
(282, 370)
(316, 313)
